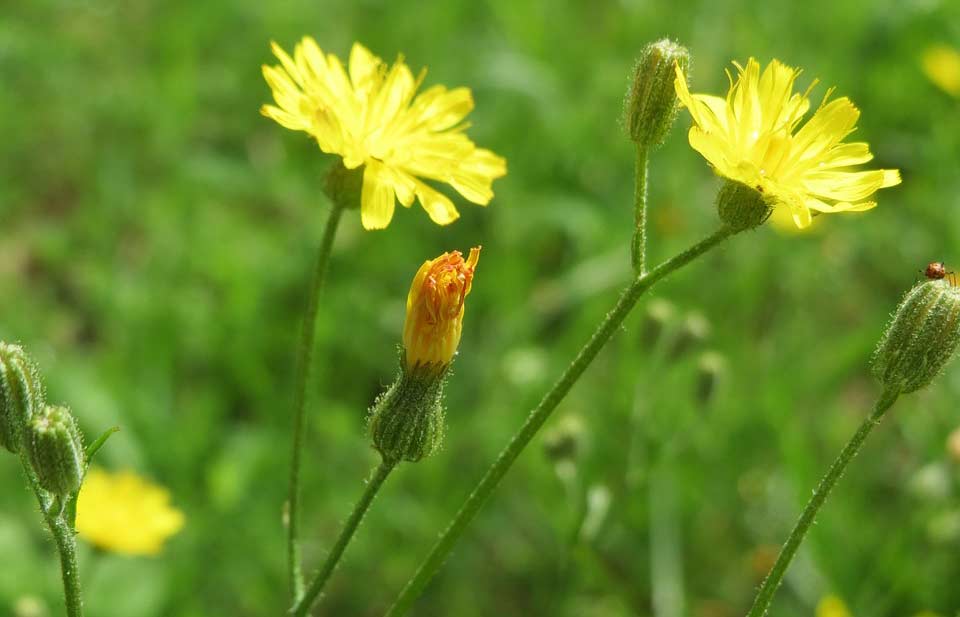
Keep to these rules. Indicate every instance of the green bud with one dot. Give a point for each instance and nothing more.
(693, 332)
(921, 338)
(21, 395)
(565, 440)
(742, 207)
(656, 319)
(710, 369)
(56, 450)
(343, 186)
(406, 422)
(651, 104)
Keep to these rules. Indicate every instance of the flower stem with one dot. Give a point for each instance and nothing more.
(373, 486)
(638, 247)
(63, 535)
(610, 324)
(770, 584)
(304, 358)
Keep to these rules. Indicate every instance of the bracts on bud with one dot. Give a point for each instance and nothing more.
(651, 104)
(742, 207)
(406, 422)
(921, 338)
(21, 395)
(55, 450)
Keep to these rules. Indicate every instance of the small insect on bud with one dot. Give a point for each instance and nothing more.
(21, 395)
(406, 422)
(693, 332)
(56, 451)
(651, 104)
(656, 319)
(742, 207)
(921, 338)
(710, 369)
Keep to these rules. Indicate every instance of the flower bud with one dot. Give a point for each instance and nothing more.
(406, 422)
(21, 395)
(656, 319)
(710, 369)
(693, 332)
(742, 207)
(56, 450)
(435, 307)
(651, 104)
(921, 338)
(565, 440)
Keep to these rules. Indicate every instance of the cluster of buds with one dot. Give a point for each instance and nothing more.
(406, 422)
(47, 437)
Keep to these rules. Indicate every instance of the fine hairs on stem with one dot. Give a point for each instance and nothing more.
(539, 415)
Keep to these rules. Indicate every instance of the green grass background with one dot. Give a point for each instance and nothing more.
(156, 236)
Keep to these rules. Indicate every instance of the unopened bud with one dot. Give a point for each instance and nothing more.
(921, 338)
(564, 441)
(693, 332)
(742, 207)
(710, 369)
(21, 395)
(56, 450)
(656, 319)
(651, 104)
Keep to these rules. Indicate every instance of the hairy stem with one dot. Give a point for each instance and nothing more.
(320, 580)
(610, 324)
(770, 584)
(638, 247)
(304, 359)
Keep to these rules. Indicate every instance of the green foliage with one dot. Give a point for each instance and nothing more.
(157, 235)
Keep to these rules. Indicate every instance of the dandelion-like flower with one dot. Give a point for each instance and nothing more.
(373, 117)
(123, 513)
(754, 137)
(435, 308)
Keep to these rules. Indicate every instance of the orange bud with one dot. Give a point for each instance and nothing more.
(435, 308)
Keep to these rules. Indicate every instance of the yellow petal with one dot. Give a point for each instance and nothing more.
(437, 205)
(363, 66)
(440, 109)
(475, 176)
(376, 198)
(844, 185)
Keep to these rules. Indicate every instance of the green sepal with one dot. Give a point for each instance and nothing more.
(921, 338)
(742, 207)
(55, 450)
(21, 395)
(407, 420)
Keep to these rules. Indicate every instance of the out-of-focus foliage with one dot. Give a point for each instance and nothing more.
(156, 235)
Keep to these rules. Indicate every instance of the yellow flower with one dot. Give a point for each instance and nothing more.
(123, 513)
(753, 137)
(941, 64)
(435, 307)
(373, 117)
(832, 606)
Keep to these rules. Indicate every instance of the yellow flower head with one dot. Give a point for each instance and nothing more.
(123, 513)
(753, 137)
(941, 64)
(435, 307)
(373, 117)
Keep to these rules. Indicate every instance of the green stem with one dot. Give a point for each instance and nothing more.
(66, 542)
(320, 580)
(304, 358)
(765, 595)
(67, 546)
(638, 248)
(539, 415)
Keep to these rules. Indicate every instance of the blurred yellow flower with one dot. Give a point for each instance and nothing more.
(435, 308)
(941, 65)
(832, 606)
(123, 513)
(372, 117)
(751, 137)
